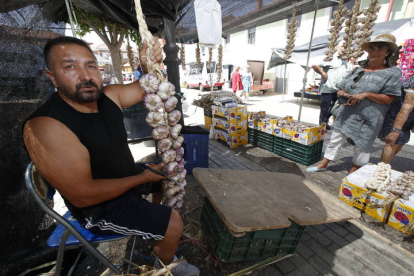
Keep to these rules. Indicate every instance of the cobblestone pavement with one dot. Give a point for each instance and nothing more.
(343, 248)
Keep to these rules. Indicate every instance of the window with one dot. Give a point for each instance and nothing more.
(227, 39)
(251, 38)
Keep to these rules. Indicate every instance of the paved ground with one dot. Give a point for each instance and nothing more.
(347, 248)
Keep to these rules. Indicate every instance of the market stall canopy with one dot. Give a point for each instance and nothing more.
(237, 15)
(120, 11)
(320, 45)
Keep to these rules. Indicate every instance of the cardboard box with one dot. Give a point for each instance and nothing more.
(232, 141)
(402, 215)
(233, 115)
(354, 185)
(276, 130)
(348, 191)
(308, 137)
(239, 127)
(208, 121)
(265, 127)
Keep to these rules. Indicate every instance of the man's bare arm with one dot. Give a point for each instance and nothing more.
(65, 163)
(319, 70)
(402, 116)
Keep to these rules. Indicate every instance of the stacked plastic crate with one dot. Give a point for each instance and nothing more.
(303, 147)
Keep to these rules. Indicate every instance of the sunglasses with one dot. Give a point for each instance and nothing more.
(357, 78)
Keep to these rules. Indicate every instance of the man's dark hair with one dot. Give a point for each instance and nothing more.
(62, 40)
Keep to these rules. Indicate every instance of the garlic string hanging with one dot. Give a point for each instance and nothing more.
(160, 96)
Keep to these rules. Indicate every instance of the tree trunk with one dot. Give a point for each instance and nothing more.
(117, 63)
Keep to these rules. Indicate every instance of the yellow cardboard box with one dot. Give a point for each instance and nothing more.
(240, 127)
(276, 130)
(252, 124)
(308, 137)
(402, 215)
(265, 127)
(233, 142)
(348, 191)
(354, 185)
(208, 121)
(233, 115)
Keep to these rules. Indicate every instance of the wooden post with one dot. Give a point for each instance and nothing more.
(172, 61)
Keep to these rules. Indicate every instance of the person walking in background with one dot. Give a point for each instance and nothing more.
(236, 83)
(367, 93)
(138, 71)
(247, 80)
(332, 73)
(399, 120)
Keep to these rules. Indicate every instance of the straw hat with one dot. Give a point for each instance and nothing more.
(385, 38)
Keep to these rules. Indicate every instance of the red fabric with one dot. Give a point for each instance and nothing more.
(236, 82)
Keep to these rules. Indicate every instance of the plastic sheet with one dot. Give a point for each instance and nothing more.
(208, 18)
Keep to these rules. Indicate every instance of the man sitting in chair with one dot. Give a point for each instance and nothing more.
(78, 142)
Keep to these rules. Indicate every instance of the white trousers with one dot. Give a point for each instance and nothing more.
(335, 144)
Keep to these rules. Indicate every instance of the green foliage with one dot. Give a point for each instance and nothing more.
(134, 36)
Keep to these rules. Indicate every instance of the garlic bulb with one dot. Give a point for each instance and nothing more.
(175, 131)
(171, 168)
(152, 102)
(177, 142)
(149, 83)
(173, 117)
(170, 103)
(159, 133)
(169, 156)
(154, 118)
(166, 90)
(164, 144)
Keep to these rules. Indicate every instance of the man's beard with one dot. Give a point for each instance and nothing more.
(82, 97)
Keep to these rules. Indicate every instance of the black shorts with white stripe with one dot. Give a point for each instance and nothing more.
(130, 215)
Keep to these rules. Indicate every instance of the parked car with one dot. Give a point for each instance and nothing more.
(202, 78)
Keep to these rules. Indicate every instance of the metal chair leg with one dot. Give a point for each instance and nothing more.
(61, 252)
(75, 263)
(132, 253)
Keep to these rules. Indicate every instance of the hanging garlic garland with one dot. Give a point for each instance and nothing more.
(210, 56)
(336, 27)
(161, 102)
(219, 63)
(292, 28)
(366, 31)
(130, 54)
(198, 57)
(182, 56)
(351, 29)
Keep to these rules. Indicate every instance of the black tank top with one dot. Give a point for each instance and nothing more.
(102, 133)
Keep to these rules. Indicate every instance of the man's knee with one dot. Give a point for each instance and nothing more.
(176, 225)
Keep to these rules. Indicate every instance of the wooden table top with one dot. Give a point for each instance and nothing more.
(251, 200)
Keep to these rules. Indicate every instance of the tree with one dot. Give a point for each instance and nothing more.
(111, 33)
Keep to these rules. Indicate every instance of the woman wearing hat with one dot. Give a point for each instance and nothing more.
(399, 120)
(366, 94)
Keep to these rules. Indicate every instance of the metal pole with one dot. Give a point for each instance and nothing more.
(70, 18)
(284, 83)
(305, 80)
(173, 62)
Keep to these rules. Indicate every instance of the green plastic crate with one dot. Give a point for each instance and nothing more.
(306, 155)
(254, 245)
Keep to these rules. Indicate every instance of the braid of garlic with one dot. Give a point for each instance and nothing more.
(198, 57)
(219, 63)
(153, 68)
(210, 56)
(182, 56)
(292, 28)
(336, 27)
